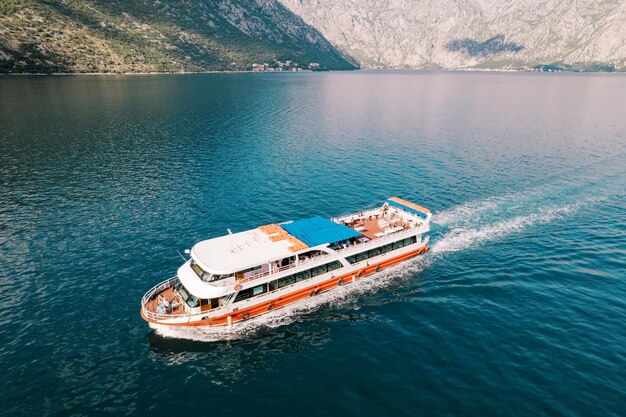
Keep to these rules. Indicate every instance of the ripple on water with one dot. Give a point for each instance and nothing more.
(517, 310)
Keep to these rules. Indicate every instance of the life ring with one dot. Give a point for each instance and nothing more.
(245, 315)
(360, 274)
(314, 292)
(270, 307)
(340, 281)
(377, 269)
(427, 249)
(237, 287)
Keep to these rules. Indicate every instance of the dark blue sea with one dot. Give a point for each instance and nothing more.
(519, 309)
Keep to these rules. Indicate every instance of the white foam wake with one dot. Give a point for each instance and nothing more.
(464, 238)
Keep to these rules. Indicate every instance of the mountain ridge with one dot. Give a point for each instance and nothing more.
(109, 36)
(473, 34)
(143, 36)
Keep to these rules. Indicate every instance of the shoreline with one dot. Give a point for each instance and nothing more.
(64, 74)
(469, 70)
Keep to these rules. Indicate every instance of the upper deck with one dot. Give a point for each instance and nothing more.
(270, 247)
(239, 251)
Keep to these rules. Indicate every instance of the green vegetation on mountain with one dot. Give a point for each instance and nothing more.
(86, 36)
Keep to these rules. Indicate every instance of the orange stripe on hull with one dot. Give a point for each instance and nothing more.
(284, 300)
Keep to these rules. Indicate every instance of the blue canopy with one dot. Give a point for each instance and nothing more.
(318, 230)
(406, 208)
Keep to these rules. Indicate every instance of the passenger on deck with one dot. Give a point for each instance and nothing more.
(165, 303)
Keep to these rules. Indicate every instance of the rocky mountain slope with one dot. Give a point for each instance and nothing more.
(479, 34)
(156, 35)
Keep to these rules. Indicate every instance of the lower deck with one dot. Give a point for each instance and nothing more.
(279, 298)
(170, 303)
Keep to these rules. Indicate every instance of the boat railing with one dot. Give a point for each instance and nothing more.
(166, 316)
(362, 215)
(281, 269)
(163, 316)
(375, 242)
(188, 317)
(158, 288)
(151, 293)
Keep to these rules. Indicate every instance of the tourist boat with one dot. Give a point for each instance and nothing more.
(243, 275)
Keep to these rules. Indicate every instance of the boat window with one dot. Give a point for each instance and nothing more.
(247, 273)
(357, 258)
(201, 273)
(260, 289)
(191, 300)
(380, 250)
(388, 247)
(251, 292)
(214, 302)
(217, 277)
(303, 275)
(361, 256)
(254, 268)
(287, 261)
(319, 270)
(283, 282)
(244, 295)
(334, 265)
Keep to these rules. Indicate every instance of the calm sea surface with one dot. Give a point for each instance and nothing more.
(519, 309)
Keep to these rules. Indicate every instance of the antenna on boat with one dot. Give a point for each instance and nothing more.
(187, 251)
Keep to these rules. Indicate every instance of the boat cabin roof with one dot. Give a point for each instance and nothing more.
(318, 230)
(239, 251)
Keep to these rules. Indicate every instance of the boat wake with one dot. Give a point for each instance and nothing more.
(463, 227)
(460, 238)
(477, 222)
